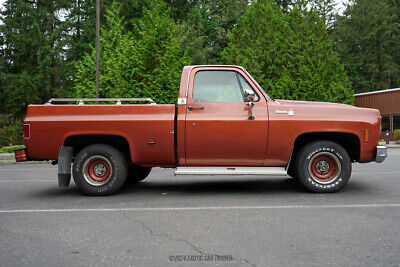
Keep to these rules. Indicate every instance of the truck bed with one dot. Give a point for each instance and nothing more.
(149, 129)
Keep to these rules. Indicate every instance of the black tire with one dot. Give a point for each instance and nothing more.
(137, 173)
(323, 167)
(99, 170)
(291, 172)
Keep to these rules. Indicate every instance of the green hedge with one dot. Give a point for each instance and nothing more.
(396, 135)
(11, 135)
(9, 149)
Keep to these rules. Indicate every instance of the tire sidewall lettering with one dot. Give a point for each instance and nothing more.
(335, 183)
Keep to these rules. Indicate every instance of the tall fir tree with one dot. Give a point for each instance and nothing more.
(207, 27)
(285, 5)
(198, 32)
(81, 20)
(181, 8)
(326, 9)
(116, 54)
(144, 63)
(33, 53)
(367, 38)
(290, 55)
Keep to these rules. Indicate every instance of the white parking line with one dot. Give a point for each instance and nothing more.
(374, 173)
(27, 180)
(28, 169)
(393, 205)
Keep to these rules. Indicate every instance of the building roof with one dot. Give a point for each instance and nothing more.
(378, 92)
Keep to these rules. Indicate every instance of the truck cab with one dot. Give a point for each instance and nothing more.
(214, 115)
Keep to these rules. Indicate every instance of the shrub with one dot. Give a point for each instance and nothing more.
(396, 135)
(9, 149)
(11, 135)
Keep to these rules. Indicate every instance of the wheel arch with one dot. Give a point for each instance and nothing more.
(78, 142)
(350, 142)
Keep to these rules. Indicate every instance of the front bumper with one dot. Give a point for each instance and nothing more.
(381, 154)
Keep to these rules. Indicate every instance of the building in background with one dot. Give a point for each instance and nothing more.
(388, 103)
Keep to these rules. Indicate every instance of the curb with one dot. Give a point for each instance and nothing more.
(390, 145)
(7, 156)
(12, 161)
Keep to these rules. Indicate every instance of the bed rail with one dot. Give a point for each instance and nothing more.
(118, 101)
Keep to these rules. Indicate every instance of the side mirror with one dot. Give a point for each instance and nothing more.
(249, 95)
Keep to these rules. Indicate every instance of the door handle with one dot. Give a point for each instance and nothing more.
(190, 108)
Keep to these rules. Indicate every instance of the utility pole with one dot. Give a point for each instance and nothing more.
(97, 48)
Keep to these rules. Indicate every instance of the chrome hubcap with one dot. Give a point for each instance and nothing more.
(97, 170)
(100, 170)
(322, 167)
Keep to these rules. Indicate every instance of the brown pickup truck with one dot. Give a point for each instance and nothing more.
(223, 124)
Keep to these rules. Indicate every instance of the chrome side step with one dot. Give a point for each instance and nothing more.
(270, 171)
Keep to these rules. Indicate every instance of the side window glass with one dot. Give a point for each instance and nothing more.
(246, 85)
(216, 86)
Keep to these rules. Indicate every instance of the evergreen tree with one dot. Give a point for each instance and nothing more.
(82, 22)
(285, 5)
(326, 9)
(198, 34)
(116, 47)
(181, 8)
(367, 39)
(206, 30)
(144, 63)
(291, 55)
(160, 60)
(33, 50)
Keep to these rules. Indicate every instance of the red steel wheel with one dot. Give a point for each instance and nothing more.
(97, 170)
(324, 167)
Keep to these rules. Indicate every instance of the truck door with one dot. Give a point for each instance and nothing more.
(218, 129)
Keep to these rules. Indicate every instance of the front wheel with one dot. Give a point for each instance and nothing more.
(323, 167)
(99, 170)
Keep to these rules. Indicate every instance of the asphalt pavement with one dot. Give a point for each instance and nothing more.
(192, 220)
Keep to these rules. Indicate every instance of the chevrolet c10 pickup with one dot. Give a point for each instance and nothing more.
(224, 123)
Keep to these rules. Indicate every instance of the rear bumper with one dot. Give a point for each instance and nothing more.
(20, 155)
(381, 154)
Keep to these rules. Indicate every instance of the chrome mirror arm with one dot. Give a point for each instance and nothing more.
(249, 98)
(250, 104)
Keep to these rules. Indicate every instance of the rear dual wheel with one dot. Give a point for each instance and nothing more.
(323, 167)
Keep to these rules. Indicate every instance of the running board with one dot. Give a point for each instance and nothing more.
(270, 171)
